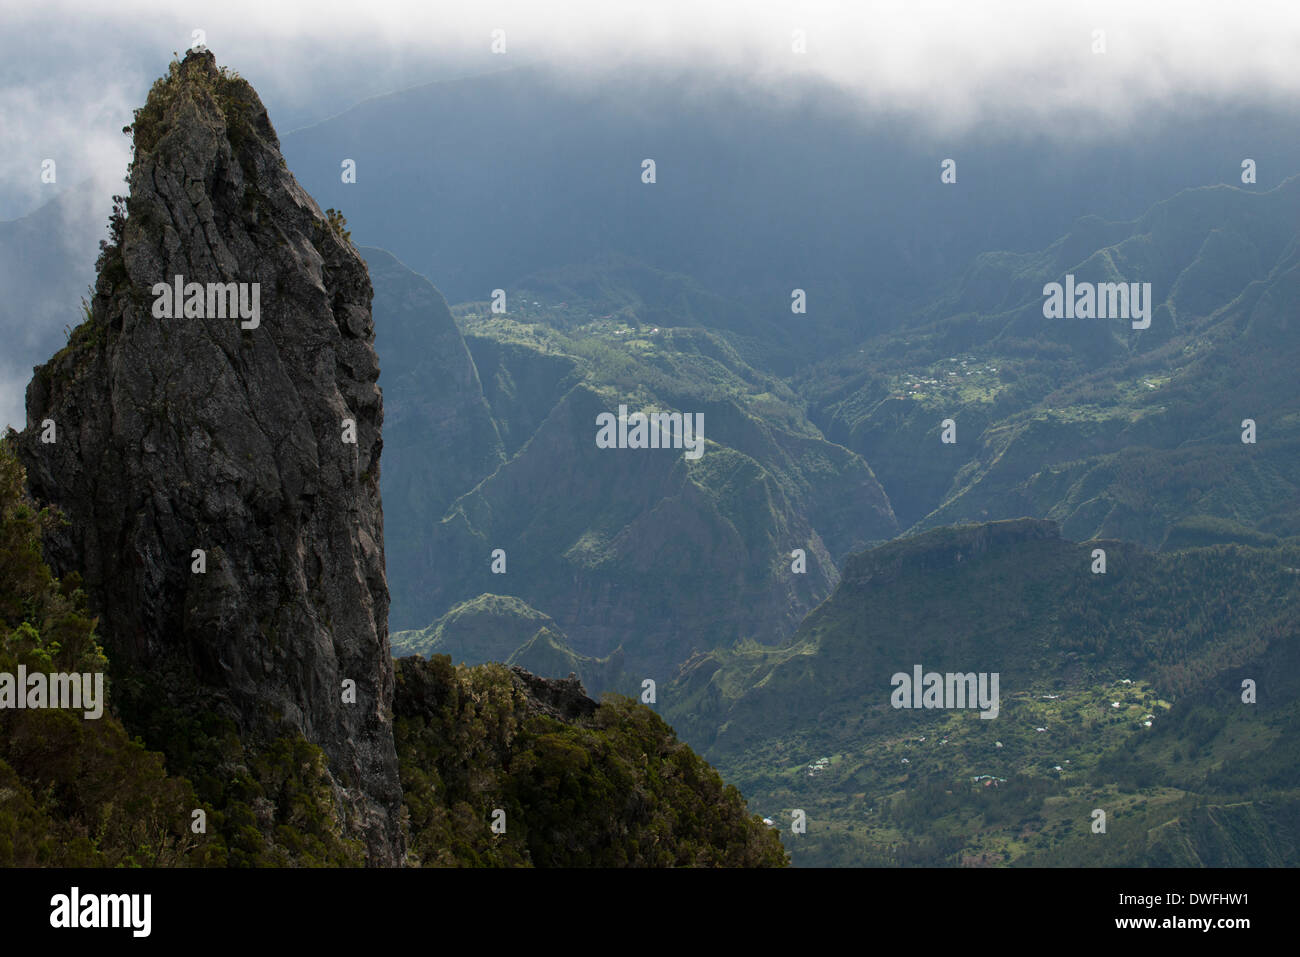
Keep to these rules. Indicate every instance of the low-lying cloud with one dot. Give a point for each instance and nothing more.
(952, 65)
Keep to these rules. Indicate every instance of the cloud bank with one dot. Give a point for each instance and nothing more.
(951, 64)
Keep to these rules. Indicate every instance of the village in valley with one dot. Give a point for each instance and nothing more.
(1042, 744)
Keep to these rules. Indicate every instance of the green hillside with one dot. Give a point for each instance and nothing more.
(1118, 691)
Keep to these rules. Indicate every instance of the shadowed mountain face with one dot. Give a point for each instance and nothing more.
(220, 475)
(440, 438)
(490, 443)
(1109, 430)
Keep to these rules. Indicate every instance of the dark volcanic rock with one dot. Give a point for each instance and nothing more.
(563, 698)
(192, 433)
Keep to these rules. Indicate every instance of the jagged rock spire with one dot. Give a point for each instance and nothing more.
(242, 426)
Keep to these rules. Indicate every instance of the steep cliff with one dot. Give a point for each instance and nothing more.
(219, 470)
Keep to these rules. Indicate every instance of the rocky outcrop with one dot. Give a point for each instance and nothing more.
(220, 474)
(425, 686)
(562, 698)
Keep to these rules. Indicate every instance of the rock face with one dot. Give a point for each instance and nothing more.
(562, 698)
(259, 446)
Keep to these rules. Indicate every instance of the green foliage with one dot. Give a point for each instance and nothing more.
(73, 791)
(338, 224)
(489, 626)
(81, 792)
(189, 79)
(269, 804)
(615, 789)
